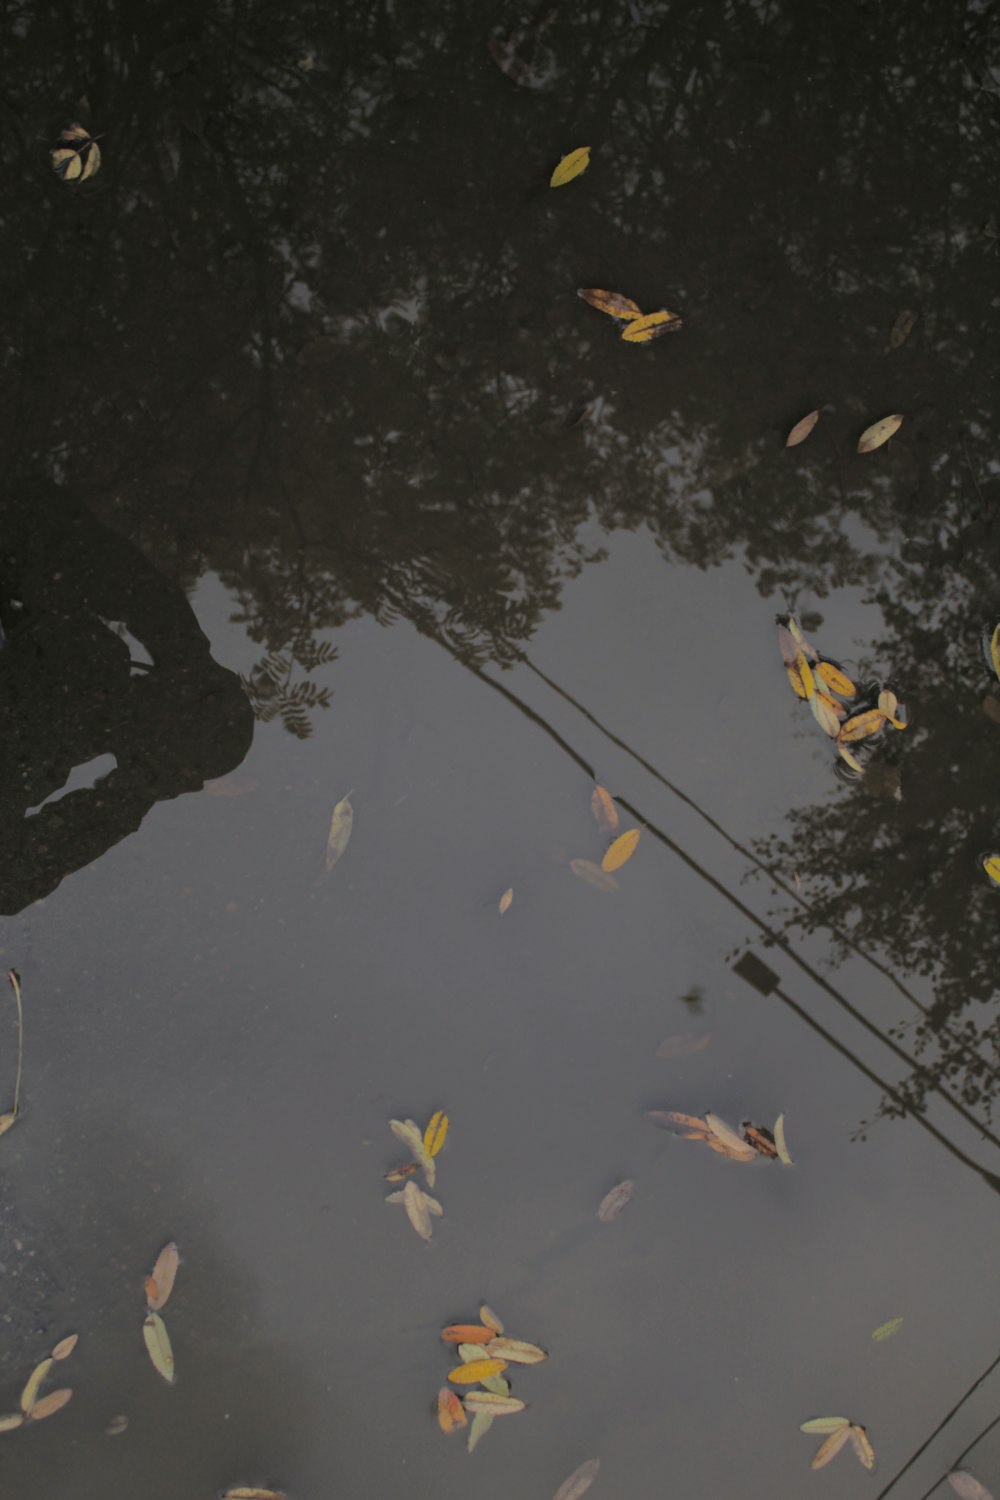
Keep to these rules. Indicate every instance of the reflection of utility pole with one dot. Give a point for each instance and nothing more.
(940, 1428)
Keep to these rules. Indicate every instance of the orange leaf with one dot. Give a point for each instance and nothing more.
(53, 1402)
(506, 899)
(466, 1333)
(612, 303)
(604, 810)
(163, 1276)
(645, 330)
(860, 1444)
(830, 1448)
(478, 1370)
(620, 851)
(451, 1412)
(801, 430)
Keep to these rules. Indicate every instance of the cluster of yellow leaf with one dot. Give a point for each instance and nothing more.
(158, 1286)
(639, 327)
(79, 160)
(840, 1430)
(619, 851)
(424, 1145)
(485, 1353)
(35, 1408)
(826, 687)
(753, 1141)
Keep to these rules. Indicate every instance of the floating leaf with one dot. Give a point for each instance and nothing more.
(516, 1351)
(451, 1412)
(834, 704)
(496, 1384)
(91, 164)
(116, 1426)
(469, 1353)
(993, 650)
(506, 899)
(7, 1119)
(497, 1406)
(612, 303)
(473, 1373)
(825, 714)
(801, 430)
(436, 1133)
(416, 1210)
(825, 1424)
(835, 678)
(779, 1141)
(613, 1203)
(409, 1132)
(433, 1206)
(12, 1420)
(722, 1148)
(828, 1450)
(75, 132)
(991, 864)
(53, 1402)
(482, 1421)
(878, 433)
(243, 1493)
(65, 1346)
(728, 1137)
(579, 1481)
(571, 166)
(400, 1174)
(466, 1333)
(67, 163)
(684, 1045)
(667, 1119)
(604, 810)
(901, 329)
(490, 1319)
(796, 630)
(394, 1198)
(967, 1485)
(787, 645)
(888, 705)
(341, 824)
(620, 851)
(593, 875)
(862, 726)
(30, 1393)
(761, 1140)
(161, 1283)
(862, 1446)
(645, 329)
(886, 1330)
(154, 1331)
(800, 675)
(851, 760)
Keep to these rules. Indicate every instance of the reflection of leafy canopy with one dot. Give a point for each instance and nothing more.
(313, 326)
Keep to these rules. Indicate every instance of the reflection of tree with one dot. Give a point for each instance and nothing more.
(313, 327)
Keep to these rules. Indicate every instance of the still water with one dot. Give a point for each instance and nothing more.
(320, 479)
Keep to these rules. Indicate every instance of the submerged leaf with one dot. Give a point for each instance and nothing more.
(30, 1393)
(497, 1406)
(645, 329)
(967, 1485)
(604, 810)
(341, 824)
(11, 1421)
(593, 874)
(801, 430)
(620, 851)
(612, 1203)
(516, 1351)
(886, 1330)
(466, 1333)
(878, 433)
(416, 1210)
(50, 1404)
(612, 303)
(506, 899)
(824, 1424)
(161, 1283)
(571, 166)
(436, 1132)
(154, 1331)
(490, 1319)
(828, 1450)
(862, 1446)
(902, 328)
(482, 1421)
(779, 1142)
(579, 1481)
(451, 1412)
(684, 1045)
(473, 1373)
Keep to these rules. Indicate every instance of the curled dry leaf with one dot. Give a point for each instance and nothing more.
(612, 303)
(824, 1424)
(436, 1133)
(862, 1446)
(620, 851)
(886, 1330)
(579, 1481)
(497, 1406)
(488, 1317)
(451, 1412)
(967, 1485)
(50, 1404)
(516, 1351)
(158, 1347)
(685, 1045)
(65, 1346)
(613, 1203)
(831, 1447)
(604, 810)
(862, 726)
(506, 899)
(835, 678)
(878, 433)
(30, 1393)
(417, 1211)
(466, 1333)
(482, 1421)
(477, 1370)
(593, 874)
(779, 1142)
(341, 824)
(571, 166)
(651, 326)
(161, 1283)
(801, 430)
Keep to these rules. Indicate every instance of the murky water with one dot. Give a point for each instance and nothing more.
(319, 478)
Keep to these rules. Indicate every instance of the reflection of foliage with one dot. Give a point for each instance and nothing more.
(274, 695)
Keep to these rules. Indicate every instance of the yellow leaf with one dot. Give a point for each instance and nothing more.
(729, 1138)
(67, 163)
(436, 1132)
(995, 650)
(824, 1424)
(831, 1447)
(835, 679)
(825, 714)
(886, 1330)
(6, 1121)
(506, 899)
(800, 675)
(516, 1351)
(796, 630)
(53, 1402)
(604, 810)
(154, 1332)
(991, 864)
(571, 166)
(30, 1393)
(862, 1447)
(851, 760)
(161, 1283)
(451, 1413)
(612, 303)
(65, 1346)
(92, 163)
(862, 726)
(74, 132)
(620, 851)
(497, 1406)
(340, 831)
(588, 871)
(12, 1420)
(878, 433)
(490, 1320)
(416, 1210)
(472, 1374)
(801, 430)
(643, 330)
(779, 1142)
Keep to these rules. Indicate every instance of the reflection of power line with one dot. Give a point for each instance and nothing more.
(940, 1428)
(963, 1048)
(773, 938)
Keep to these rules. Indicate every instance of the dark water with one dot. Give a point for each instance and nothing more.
(290, 395)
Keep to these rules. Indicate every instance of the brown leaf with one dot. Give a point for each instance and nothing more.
(604, 810)
(65, 1346)
(579, 1481)
(644, 330)
(801, 430)
(612, 303)
(830, 1448)
(506, 899)
(473, 1373)
(451, 1412)
(400, 1174)
(747, 1154)
(613, 1203)
(53, 1402)
(161, 1282)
